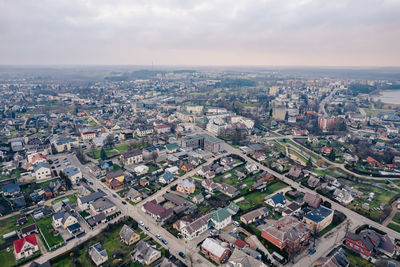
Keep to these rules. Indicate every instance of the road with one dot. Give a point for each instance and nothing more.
(355, 218)
(322, 104)
(174, 245)
(341, 165)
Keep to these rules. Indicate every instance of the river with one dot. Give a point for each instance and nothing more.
(389, 97)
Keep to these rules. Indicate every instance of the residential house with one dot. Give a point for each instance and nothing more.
(228, 190)
(259, 156)
(288, 234)
(63, 219)
(172, 148)
(98, 254)
(220, 218)
(241, 259)
(141, 170)
(118, 175)
(84, 202)
(134, 195)
(42, 171)
(128, 235)
(254, 215)
(276, 201)
(145, 253)
(30, 229)
(209, 185)
(293, 209)
(251, 167)
(368, 242)
(312, 200)
(343, 196)
(196, 227)
(132, 157)
(214, 250)
(103, 205)
(73, 173)
(185, 186)
(11, 190)
(318, 219)
(166, 178)
(197, 199)
(157, 211)
(313, 182)
(295, 173)
(186, 166)
(25, 247)
(116, 184)
(336, 258)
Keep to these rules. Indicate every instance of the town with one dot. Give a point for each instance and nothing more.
(198, 167)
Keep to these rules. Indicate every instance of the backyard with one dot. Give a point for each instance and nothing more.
(9, 225)
(110, 241)
(72, 199)
(256, 198)
(47, 230)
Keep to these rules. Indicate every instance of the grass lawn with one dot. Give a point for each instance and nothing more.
(116, 167)
(109, 152)
(72, 199)
(394, 226)
(122, 148)
(109, 240)
(256, 198)
(47, 229)
(43, 184)
(7, 258)
(356, 260)
(396, 218)
(152, 168)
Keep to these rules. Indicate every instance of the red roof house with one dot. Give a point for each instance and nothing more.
(25, 247)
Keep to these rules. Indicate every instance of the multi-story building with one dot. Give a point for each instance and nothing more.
(288, 234)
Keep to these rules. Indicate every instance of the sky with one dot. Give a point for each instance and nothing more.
(197, 32)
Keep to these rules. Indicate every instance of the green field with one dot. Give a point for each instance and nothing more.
(46, 227)
(72, 199)
(7, 258)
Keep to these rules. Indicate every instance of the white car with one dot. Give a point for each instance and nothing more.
(141, 223)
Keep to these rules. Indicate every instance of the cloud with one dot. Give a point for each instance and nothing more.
(219, 32)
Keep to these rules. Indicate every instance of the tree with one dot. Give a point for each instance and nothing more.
(109, 141)
(332, 155)
(309, 163)
(103, 154)
(154, 156)
(65, 179)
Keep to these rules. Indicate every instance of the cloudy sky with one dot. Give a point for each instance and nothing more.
(196, 32)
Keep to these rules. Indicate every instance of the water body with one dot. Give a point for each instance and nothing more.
(389, 97)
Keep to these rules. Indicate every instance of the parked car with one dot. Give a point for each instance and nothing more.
(236, 223)
(311, 251)
(159, 237)
(114, 195)
(182, 254)
(141, 223)
(164, 241)
(123, 202)
(147, 228)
